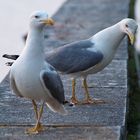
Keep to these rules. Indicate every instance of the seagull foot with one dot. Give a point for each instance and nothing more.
(35, 130)
(74, 101)
(93, 101)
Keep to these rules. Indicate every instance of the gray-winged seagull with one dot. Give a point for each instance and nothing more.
(81, 58)
(32, 77)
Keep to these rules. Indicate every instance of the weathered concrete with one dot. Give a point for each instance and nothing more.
(77, 19)
(64, 133)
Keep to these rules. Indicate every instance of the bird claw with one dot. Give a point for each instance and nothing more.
(31, 131)
(93, 101)
(35, 130)
(74, 101)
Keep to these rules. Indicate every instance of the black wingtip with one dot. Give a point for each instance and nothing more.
(65, 102)
(13, 57)
(9, 63)
(5, 55)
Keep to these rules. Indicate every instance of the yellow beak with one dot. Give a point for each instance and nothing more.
(48, 21)
(131, 37)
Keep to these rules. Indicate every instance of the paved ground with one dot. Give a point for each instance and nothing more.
(76, 20)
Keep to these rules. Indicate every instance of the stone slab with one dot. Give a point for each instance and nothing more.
(63, 133)
(108, 114)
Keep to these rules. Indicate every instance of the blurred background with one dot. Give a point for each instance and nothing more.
(137, 42)
(14, 24)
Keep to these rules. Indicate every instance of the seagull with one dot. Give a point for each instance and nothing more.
(81, 58)
(32, 77)
(89, 56)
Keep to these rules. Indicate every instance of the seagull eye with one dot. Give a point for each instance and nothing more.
(36, 16)
(126, 25)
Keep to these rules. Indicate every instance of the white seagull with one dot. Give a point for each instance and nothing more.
(81, 58)
(32, 77)
(84, 57)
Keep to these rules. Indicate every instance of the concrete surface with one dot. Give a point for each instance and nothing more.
(77, 19)
(64, 133)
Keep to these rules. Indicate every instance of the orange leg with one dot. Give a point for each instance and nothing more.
(88, 99)
(73, 98)
(38, 127)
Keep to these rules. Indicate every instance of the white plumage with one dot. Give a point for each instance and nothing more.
(32, 77)
(81, 58)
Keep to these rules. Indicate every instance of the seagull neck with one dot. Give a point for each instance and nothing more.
(34, 44)
(111, 36)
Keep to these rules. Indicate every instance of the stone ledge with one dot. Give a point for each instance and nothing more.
(64, 133)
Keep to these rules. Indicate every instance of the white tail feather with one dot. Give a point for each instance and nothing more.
(55, 106)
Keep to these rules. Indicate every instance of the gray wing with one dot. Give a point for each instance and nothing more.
(74, 57)
(53, 83)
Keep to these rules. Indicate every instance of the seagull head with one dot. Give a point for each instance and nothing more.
(40, 19)
(129, 26)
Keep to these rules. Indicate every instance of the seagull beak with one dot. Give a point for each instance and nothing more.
(131, 37)
(48, 21)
